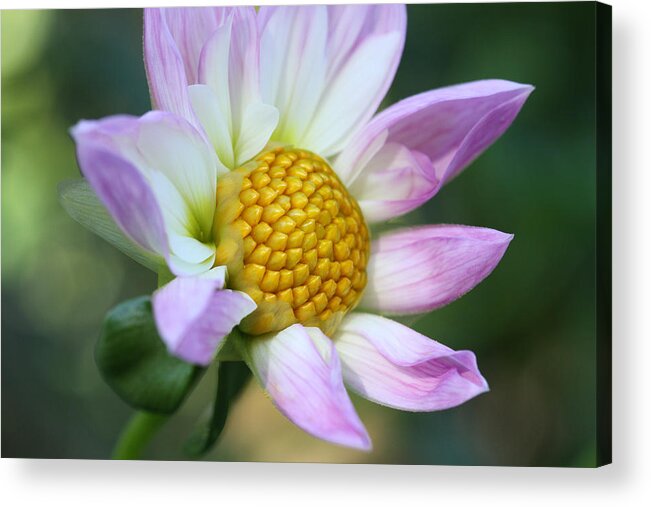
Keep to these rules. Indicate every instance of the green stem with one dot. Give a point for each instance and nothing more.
(136, 435)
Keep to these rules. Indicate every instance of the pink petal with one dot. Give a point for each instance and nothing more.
(350, 25)
(300, 370)
(237, 60)
(230, 108)
(154, 173)
(174, 40)
(450, 126)
(418, 269)
(395, 181)
(119, 184)
(393, 365)
(166, 74)
(190, 28)
(194, 314)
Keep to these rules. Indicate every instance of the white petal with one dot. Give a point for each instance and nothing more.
(182, 267)
(214, 117)
(229, 107)
(213, 67)
(257, 125)
(345, 105)
(293, 64)
(190, 249)
(327, 68)
(172, 149)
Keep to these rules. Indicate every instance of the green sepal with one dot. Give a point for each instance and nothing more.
(232, 376)
(135, 363)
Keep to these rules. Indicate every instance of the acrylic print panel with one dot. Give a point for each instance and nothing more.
(352, 234)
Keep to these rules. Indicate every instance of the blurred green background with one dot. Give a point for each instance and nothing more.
(531, 324)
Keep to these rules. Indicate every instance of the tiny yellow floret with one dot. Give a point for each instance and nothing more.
(303, 245)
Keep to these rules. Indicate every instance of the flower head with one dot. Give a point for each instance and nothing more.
(256, 182)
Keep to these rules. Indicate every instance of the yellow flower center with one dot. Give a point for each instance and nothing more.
(293, 239)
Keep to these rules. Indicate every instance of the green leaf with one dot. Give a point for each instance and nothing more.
(231, 379)
(81, 203)
(135, 363)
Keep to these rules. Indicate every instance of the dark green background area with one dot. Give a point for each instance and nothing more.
(531, 323)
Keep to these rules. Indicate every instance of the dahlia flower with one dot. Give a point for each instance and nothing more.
(255, 181)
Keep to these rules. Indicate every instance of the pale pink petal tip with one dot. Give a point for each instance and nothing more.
(118, 182)
(444, 130)
(454, 125)
(418, 269)
(164, 66)
(194, 315)
(393, 365)
(300, 370)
